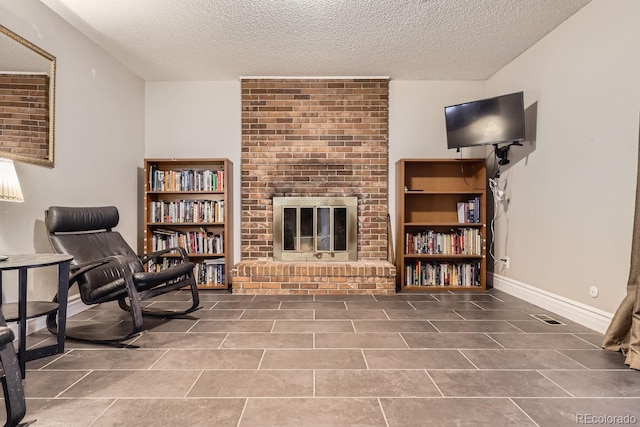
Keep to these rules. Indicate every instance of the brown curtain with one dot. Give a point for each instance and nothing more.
(623, 333)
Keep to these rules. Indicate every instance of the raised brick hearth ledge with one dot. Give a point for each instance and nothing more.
(319, 278)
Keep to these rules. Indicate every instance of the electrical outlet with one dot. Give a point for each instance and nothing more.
(505, 262)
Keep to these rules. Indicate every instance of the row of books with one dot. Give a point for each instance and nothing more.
(186, 211)
(442, 274)
(185, 180)
(198, 242)
(469, 212)
(209, 272)
(461, 241)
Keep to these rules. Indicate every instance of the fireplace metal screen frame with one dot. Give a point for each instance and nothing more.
(351, 205)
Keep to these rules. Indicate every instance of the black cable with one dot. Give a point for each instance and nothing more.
(464, 177)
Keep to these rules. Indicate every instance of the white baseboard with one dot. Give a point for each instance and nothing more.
(74, 306)
(588, 316)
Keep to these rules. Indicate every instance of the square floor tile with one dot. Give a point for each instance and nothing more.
(444, 305)
(495, 383)
(49, 383)
(313, 305)
(349, 314)
(233, 326)
(622, 383)
(374, 383)
(451, 340)
(247, 305)
(463, 296)
(521, 359)
(493, 314)
(597, 359)
(393, 326)
(156, 340)
(474, 326)
(254, 383)
(218, 314)
(538, 326)
(209, 359)
(313, 326)
(276, 314)
(127, 358)
(71, 412)
(268, 340)
(422, 314)
(172, 412)
(416, 359)
(551, 341)
(577, 411)
(313, 359)
(133, 383)
(374, 305)
(359, 340)
(347, 412)
(594, 338)
(406, 297)
(453, 412)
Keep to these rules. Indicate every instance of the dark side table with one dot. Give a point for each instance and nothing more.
(23, 310)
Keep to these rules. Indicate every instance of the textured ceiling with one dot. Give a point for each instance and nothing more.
(403, 39)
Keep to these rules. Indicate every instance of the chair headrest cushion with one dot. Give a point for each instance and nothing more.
(67, 219)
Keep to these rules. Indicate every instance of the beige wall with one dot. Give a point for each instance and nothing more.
(196, 119)
(99, 137)
(416, 122)
(571, 198)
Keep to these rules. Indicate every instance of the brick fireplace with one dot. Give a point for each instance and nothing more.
(314, 138)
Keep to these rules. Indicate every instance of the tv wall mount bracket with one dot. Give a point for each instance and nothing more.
(502, 153)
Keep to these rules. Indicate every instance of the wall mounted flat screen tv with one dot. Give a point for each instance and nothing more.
(487, 121)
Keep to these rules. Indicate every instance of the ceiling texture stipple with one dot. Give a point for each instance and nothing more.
(404, 39)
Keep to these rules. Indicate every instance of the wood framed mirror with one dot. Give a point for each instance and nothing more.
(27, 100)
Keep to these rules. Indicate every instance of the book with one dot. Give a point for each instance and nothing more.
(462, 212)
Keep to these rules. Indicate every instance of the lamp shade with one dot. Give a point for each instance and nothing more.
(9, 185)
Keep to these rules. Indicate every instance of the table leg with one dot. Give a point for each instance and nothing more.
(22, 318)
(63, 297)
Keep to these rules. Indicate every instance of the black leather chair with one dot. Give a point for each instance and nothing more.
(106, 268)
(14, 401)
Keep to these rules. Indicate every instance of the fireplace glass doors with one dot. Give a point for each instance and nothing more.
(315, 228)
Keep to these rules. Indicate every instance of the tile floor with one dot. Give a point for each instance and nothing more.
(438, 359)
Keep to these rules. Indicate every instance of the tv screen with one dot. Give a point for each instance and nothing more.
(486, 121)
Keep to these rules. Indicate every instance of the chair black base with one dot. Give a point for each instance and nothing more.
(14, 401)
(114, 333)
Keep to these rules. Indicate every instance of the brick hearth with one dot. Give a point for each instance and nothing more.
(277, 277)
(314, 137)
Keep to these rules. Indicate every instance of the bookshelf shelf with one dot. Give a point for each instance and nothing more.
(441, 224)
(179, 224)
(187, 202)
(441, 256)
(201, 193)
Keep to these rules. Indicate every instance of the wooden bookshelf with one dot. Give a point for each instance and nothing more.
(441, 224)
(188, 203)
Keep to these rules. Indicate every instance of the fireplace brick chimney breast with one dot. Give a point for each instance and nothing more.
(314, 137)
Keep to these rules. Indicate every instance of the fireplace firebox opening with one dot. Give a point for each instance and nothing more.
(315, 229)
